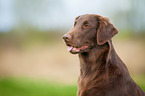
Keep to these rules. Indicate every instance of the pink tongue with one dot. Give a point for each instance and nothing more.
(75, 49)
(69, 48)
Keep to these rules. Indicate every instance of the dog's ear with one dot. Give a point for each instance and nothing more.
(105, 30)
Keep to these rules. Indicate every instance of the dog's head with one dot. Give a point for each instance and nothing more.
(89, 30)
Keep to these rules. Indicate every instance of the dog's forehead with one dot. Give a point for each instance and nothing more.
(87, 17)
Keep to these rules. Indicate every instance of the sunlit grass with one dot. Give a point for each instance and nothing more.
(24, 87)
(140, 80)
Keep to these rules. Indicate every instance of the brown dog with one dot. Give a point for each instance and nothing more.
(102, 73)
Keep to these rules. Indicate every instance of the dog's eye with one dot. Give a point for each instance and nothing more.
(86, 25)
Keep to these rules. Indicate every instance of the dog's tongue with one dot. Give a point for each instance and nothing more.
(69, 48)
(73, 49)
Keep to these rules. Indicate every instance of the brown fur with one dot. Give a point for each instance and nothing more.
(102, 72)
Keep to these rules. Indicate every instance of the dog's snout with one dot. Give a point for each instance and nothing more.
(66, 37)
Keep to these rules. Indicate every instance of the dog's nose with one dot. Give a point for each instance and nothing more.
(66, 37)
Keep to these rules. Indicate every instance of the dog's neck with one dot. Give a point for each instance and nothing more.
(99, 60)
(97, 67)
(94, 61)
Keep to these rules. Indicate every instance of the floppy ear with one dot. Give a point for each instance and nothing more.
(105, 30)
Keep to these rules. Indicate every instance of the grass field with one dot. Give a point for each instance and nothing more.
(26, 87)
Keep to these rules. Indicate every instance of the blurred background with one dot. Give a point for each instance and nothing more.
(33, 57)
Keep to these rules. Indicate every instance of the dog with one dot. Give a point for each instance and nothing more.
(102, 72)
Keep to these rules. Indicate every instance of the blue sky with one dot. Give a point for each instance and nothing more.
(6, 14)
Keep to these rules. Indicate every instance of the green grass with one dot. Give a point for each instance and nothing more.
(140, 80)
(26, 87)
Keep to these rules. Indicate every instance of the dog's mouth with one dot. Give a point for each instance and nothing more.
(75, 50)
